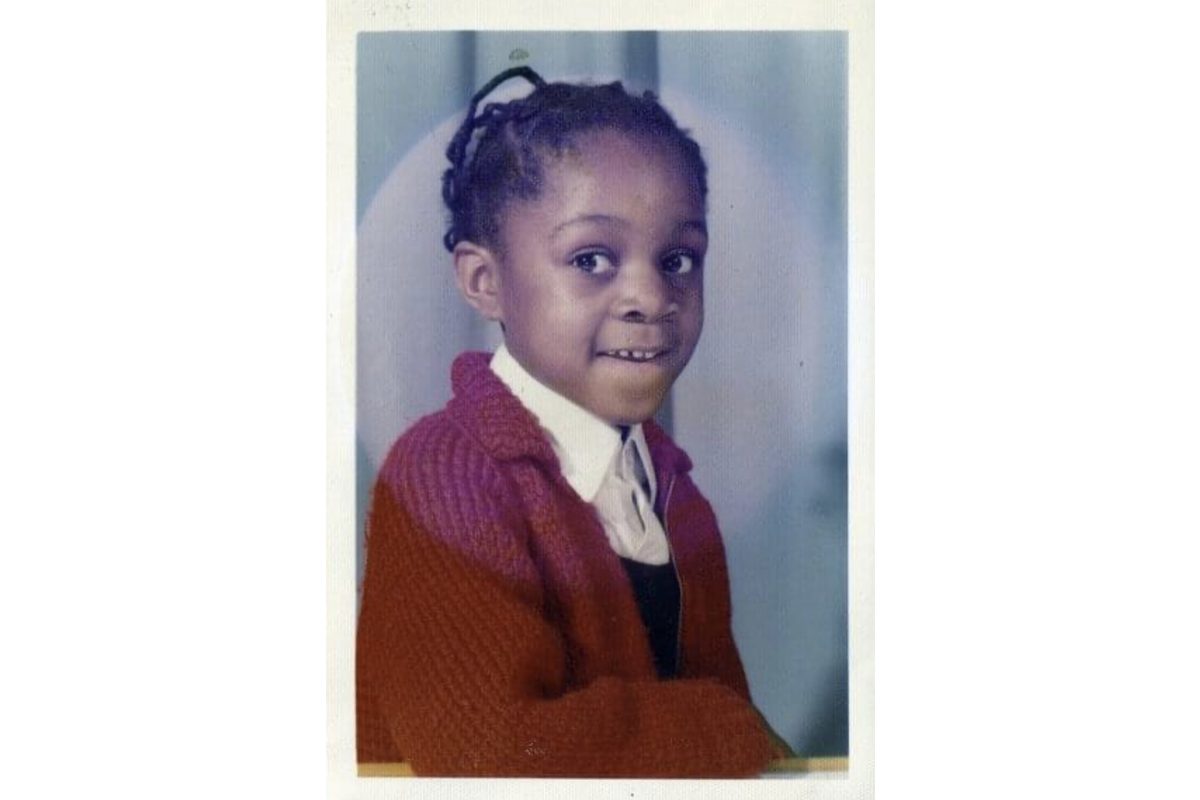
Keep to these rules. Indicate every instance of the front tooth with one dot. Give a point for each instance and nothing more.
(640, 355)
(623, 353)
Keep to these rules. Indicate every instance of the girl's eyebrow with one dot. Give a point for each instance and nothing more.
(607, 219)
(583, 219)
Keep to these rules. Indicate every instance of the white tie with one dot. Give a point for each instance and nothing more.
(624, 506)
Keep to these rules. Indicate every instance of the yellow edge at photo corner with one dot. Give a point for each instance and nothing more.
(401, 769)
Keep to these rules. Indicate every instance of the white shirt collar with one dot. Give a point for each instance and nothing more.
(584, 444)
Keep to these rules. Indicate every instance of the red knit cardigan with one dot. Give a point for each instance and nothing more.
(499, 634)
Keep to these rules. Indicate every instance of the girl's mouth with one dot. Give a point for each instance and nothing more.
(636, 355)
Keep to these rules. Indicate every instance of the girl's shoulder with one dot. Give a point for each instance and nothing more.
(482, 417)
(434, 444)
(449, 490)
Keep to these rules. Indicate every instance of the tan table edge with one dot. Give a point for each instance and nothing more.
(401, 769)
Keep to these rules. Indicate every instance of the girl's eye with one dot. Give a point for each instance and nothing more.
(680, 263)
(593, 262)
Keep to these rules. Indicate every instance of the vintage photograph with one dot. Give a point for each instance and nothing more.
(601, 473)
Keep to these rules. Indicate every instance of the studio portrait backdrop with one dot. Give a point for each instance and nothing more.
(761, 408)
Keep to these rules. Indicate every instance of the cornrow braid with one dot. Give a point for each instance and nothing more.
(452, 179)
(510, 140)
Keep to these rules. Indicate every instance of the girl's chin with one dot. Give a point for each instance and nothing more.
(632, 411)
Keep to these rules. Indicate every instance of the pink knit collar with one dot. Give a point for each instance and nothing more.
(492, 415)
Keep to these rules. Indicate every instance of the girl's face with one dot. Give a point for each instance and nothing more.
(601, 280)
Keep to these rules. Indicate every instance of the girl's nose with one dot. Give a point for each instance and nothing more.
(644, 294)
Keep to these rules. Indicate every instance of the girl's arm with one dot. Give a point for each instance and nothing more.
(468, 674)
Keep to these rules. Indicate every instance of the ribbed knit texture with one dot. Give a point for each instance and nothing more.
(499, 633)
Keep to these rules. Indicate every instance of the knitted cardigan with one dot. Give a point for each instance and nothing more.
(499, 634)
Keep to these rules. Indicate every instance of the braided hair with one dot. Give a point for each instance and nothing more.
(510, 140)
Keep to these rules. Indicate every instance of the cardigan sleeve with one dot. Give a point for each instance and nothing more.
(467, 674)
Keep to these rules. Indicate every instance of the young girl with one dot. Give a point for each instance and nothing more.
(545, 588)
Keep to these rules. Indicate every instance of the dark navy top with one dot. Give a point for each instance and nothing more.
(656, 588)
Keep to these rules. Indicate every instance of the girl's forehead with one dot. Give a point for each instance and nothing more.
(619, 154)
(610, 179)
(603, 142)
(638, 191)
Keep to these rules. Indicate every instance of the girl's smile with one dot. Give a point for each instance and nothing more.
(599, 280)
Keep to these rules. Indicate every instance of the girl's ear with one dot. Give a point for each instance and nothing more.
(477, 270)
